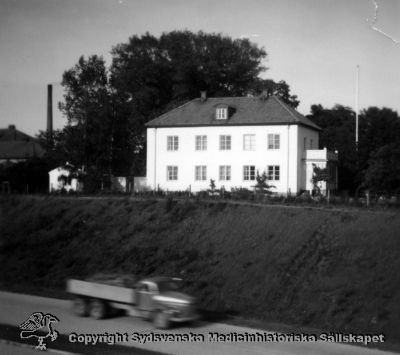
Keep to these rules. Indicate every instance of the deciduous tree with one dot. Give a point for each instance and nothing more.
(379, 129)
(383, 173)
(87, 106)
(270, 87)
(338, 133)
(262, 187)
(153, 75)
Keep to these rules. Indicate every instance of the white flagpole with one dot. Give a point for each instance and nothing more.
(357, 82)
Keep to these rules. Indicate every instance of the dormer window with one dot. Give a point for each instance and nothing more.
(221, 113)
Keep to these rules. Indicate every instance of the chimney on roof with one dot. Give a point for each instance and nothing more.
(265, 95)
(11, 128)
(50, 110)
(203, 96)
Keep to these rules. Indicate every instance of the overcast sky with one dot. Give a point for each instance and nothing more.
(314, 45)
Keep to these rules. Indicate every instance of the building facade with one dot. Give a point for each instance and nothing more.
(230, 140)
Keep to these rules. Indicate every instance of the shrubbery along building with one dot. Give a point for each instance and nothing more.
(229, 140)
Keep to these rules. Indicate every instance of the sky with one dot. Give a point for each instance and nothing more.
(314, 45)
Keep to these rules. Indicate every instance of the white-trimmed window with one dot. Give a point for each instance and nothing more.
(249, 142)
(224, 142)
(311, 144)
(225, 173)
(249, 172)
(221, 113)
(274, 141)
(274, 172)
(201, 142)
(172, 142)
(172, 173)
(200, 173)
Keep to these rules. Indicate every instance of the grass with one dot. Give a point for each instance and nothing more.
(305, 267)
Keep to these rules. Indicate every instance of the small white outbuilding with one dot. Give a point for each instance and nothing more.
(60, 179)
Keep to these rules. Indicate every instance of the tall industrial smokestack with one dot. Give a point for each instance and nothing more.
(50, 110)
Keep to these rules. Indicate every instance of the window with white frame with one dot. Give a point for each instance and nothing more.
(221, 113)
(172, 173)
(249, 172)
(225, 173)
(249, 142)
(201, 142)
(274, 141)
(311, 144)
(200, 173)
(225, 142)
(274, 172)
(172, 142)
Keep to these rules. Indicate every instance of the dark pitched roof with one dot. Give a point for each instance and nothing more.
(20, 150)
(245, 111)
(12, 134)
(17, 145)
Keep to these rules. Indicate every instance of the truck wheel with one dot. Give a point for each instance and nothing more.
(161, 320)
(80, 307)
(147, 315)
(98, 309)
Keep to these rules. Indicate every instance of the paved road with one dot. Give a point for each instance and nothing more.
(13, 348)
(15, 308)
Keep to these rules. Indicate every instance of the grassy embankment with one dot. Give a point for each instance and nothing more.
(304, 267)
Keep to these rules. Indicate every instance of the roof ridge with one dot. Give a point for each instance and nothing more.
(286, 108)
(174, 109)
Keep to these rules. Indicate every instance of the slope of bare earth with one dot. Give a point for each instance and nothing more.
(332, 270)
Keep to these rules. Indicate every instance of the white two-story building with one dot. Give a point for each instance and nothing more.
(229, 140)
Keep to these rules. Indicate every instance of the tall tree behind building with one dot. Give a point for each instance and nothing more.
(155, 75)
(87, 106)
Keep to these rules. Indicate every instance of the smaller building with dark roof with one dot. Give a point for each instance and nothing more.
(16, 146)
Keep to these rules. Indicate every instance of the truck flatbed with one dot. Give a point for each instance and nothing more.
(102, 291)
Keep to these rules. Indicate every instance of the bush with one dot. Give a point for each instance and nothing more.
(241, 193)
(276, 198)
(92, 181)
(289, 199)
(304, 197)
(169, 204)
(202, 194)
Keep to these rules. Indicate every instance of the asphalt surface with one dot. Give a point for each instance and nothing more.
(16, 308)
(17, 349)
(11, 342)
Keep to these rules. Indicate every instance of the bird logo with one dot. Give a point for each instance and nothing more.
(39, 325)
